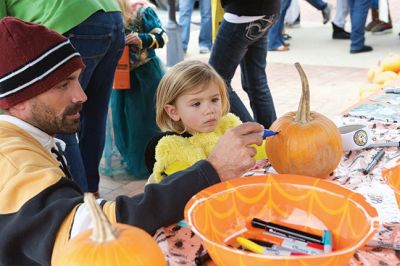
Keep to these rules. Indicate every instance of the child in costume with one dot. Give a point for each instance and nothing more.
(133, 110)
(192, 111)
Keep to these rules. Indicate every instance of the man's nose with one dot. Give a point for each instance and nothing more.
(78, 94)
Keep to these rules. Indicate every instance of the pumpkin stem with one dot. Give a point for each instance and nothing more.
(103, 231)
(303, 112)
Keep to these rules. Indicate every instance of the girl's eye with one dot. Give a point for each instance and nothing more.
(196, 104)
(215, 100)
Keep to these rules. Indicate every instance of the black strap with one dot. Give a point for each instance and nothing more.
(150, 151)
(58, 151)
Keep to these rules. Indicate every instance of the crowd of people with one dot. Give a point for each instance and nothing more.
(56, 80)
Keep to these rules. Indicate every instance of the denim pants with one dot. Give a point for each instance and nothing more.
(100, 40)
(275, 36)
(185, 15)
(358, 16)
(245, 44)
(318, 4)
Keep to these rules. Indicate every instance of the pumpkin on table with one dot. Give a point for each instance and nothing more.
(110, 245)
(308, 143)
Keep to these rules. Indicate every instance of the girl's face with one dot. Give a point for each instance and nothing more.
(199, 111)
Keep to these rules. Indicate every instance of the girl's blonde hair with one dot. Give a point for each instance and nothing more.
(127, 7)
(126, 12)
(183, 78)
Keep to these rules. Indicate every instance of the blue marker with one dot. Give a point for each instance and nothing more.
(268, 133)
(327, 239)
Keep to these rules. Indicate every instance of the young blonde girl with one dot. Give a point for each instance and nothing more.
(192, 111)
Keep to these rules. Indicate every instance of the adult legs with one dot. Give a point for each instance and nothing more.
(100, 40)
(318, 4)
(275, 38)
(228, 50)
(254, 80)
(358, 16)
(342, 10)
(185, 15)
(205, 24)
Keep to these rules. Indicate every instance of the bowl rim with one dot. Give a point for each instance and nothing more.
(388, 174)
(357, 199)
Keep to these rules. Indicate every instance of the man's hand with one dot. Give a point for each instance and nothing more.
(232, 156)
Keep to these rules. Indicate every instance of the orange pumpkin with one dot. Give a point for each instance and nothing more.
(106, 244)
(308, 143)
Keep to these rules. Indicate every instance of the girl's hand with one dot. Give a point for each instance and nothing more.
(132, 38)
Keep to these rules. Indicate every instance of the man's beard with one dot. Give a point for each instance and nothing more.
(44, 118)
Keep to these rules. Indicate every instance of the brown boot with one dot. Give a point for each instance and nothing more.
(375, 19)
(382, 27)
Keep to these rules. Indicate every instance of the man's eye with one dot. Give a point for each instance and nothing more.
(63, 85)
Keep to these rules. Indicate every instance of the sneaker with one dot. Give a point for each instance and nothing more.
(366, 48)
(326, 13)
(294, 24)
(204, 50)
(286, 36)
(339, 33)
(382, 28)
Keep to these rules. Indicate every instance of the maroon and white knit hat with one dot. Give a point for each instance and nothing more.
(33, 60)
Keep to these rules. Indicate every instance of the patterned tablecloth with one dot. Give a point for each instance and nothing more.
(382, 115)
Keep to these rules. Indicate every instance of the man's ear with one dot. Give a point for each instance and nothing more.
(18, 110)
(172, 112)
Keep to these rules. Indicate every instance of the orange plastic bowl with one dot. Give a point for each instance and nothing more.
(392, 175)
(224, 210)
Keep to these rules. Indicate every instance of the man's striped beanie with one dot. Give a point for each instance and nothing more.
(33, 59)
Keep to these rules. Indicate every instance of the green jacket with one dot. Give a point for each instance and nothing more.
(58, 15)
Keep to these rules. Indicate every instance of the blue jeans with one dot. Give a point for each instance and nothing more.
(245, 44)
(185, 15)
(275, 36)
(100, 40)
(318, 4)
(358, 16)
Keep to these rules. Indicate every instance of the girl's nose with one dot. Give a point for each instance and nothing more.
(209, 109)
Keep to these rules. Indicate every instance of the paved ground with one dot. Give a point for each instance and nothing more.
(334, 74)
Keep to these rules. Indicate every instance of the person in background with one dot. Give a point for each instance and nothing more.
(192, 110)
(133, 110)
(42, 96)
(342, 11)
(377, 26)
(185, 16)
(96, 30)
(276, 41)
(358, 17)
(242, 40)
